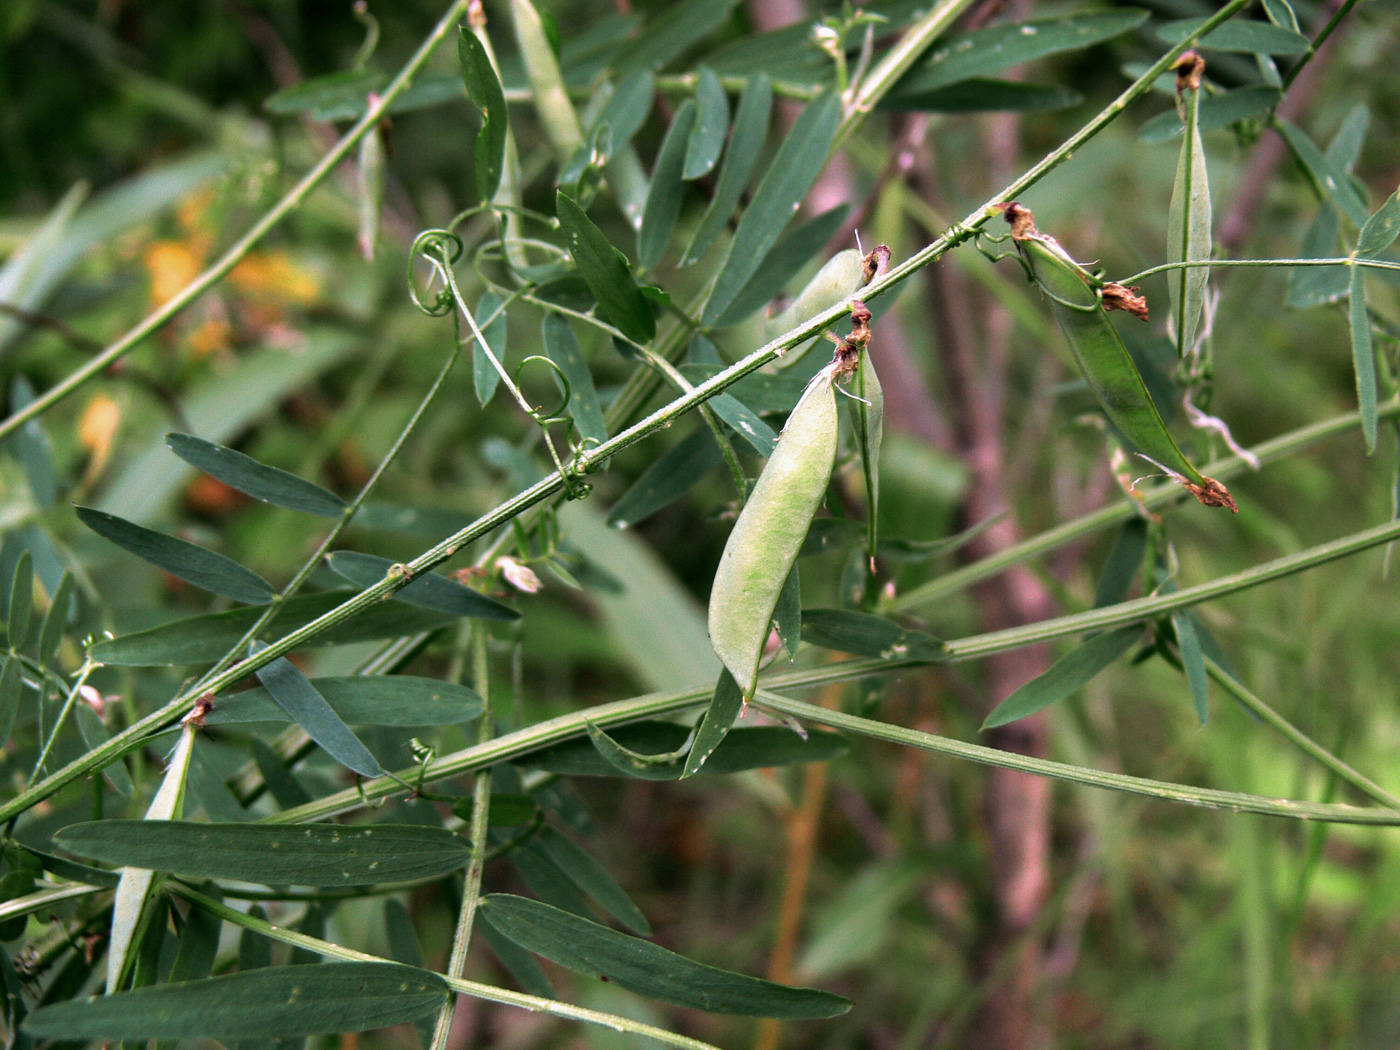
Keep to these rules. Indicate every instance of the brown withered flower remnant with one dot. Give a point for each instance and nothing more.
(1120, 297)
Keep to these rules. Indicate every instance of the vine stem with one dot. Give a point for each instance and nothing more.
(533, 1003)
(1209, 798)
(481, 806)
(1346, 260)
(158, 318)
(586, 462)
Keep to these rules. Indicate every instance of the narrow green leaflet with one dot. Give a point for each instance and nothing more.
(785, 260)
(94, 733)
(869, 408)
(519, 963)
(33, 448)
(1316, 285)
(646, 968)
(1363, 357)
(752, 430)
(486, 360)
(725, 706)
(983, 95)
(327, 855)
(862, 634)
(1189, 228)
(203, 639)
(285, 787)
(429, 591)
(279, 1002)
(1281, 14)
(484, 91)
(787, 614)
(258, 480)
(11, 688)
(295, 694)
(667, 479)
(760, 391)
(746, 141)
(1193, 662)
(55, 620)
(199, 943)
(1215, 111)
(606, 272)
(616, 124)
(989, 51)
(799, 161)
(561, 346)
(1345, 148)
(663, 204)
(831, 534)
(1122, 565)
(743, 748)
(711, 123)
(381, 700)
(21, 607)
(1239, 34)
(335, 96)
(591, 877)
(1331, 183)
(1069, 674)
(670, 34)
(544, 879)
(1381, 229)
(195, 565)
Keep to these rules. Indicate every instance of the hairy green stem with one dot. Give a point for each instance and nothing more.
(1210, 798)
(481, 806)
(1375, 264)
(159, 317)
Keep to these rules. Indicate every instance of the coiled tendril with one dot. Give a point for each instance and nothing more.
(439, 249)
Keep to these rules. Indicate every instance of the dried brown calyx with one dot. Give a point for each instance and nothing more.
(875, 263)
(1190, 67)
(1021, 218)
(848, 350)
(1120, 297)
(1212, 493)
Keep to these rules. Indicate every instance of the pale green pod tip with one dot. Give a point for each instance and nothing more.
(763, 545)
(836, 281)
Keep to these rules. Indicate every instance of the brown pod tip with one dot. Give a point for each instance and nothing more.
(1120, 297)
(1021, 218)
(1212, 494)
(1189, 69)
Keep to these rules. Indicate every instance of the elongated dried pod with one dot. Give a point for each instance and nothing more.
(1077, 301)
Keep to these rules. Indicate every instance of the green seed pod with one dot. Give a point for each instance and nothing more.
(1078, 300)
(834, 283)
(762, 548)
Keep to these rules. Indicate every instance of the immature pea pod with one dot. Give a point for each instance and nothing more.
(1079, 302)
(763, 546)
(835, 281)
